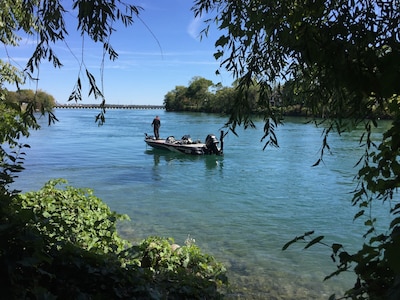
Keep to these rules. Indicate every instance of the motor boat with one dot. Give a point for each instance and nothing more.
(186, 145)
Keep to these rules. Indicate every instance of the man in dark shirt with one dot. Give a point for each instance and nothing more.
(156, 127)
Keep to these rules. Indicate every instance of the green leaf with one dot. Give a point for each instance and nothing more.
(359, 214)
(314, 241)
(218, 54)
(292, 242)
(316, 163)
(222, 41)
(395, 209)
(297, 238)
(336, 247)
(394, 222)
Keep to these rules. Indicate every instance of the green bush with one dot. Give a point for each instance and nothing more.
(182, 270)
(63, 243)
(73, 216)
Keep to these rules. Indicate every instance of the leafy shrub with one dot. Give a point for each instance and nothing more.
(182, 270)
(73, 216)
(63, 243)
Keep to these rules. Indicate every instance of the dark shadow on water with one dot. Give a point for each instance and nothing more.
(211, 161)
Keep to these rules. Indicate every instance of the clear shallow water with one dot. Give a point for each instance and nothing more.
(241, 208)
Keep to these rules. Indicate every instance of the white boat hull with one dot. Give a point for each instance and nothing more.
(185, 145)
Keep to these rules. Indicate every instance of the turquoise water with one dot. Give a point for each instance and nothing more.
(241, 207)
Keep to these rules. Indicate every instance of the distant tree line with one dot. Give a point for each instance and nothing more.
(202, 95)
(40, 100)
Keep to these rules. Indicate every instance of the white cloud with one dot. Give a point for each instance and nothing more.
(194, 28)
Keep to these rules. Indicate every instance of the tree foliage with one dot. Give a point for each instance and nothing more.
(341, 57)
(202, 95)
(191, 98)
(45, 21)
(40, 100)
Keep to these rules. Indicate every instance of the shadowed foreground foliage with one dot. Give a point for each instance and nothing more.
(62, 243)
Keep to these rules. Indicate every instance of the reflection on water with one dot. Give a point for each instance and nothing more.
(163, 156)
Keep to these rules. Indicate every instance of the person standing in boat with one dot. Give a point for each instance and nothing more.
(156, 127)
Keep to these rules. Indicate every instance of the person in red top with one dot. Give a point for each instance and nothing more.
(156, 127)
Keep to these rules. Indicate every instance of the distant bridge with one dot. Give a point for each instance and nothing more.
(108, 106)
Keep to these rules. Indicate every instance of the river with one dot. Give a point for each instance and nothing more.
(241, 207)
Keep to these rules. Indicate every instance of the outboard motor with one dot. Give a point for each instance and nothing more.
(212, 144)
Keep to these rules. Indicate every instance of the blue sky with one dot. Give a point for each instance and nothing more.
(147, 68)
